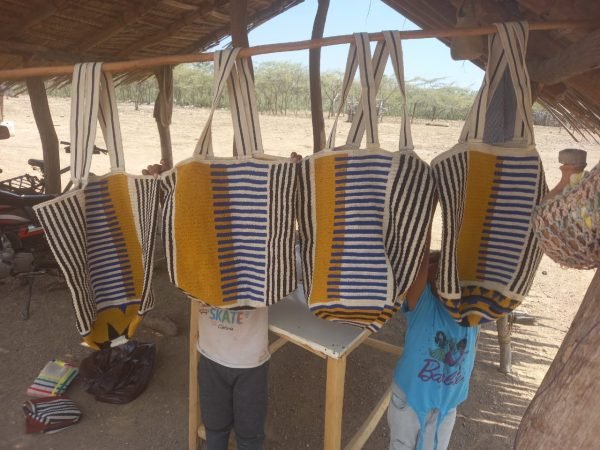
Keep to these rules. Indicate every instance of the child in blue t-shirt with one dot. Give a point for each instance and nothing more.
(432, 376)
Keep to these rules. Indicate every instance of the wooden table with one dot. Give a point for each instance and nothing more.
(291, 320)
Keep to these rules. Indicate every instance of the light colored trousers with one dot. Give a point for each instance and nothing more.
(404, 425)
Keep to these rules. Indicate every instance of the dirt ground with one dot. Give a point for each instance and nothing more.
(158, 419)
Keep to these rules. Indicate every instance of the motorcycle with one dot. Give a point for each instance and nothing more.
(24, 251)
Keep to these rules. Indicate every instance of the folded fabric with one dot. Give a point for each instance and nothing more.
(50, 414)
(53, 380)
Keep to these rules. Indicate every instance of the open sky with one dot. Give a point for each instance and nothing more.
(427, 58)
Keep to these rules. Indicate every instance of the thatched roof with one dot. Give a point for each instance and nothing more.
(51, 32)
(572, 94)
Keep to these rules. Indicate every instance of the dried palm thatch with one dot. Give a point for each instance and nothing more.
(54, 32)
(564, 65)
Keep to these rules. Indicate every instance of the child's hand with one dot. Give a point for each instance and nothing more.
(295, 157)
(157, 169)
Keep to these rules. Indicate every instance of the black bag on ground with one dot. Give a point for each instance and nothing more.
(119, 374)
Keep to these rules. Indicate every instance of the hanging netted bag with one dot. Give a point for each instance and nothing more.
(102, 232)
(363, 213)
(568, 225)
(228, 223)
(488, 185)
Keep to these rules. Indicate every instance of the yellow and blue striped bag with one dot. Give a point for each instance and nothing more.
(102, 232)
(228, 223)
(488, 186)
(363, 213)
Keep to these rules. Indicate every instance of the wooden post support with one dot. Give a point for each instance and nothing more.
(163, 111)
(314, 69)
(194, 401)
(334, 403)
(564, 412)
(239, 30)
(43, 120)
(504, 329)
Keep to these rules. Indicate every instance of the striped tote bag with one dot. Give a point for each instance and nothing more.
(363, 213)
(102, 232)
(488, 186)
(228, 223)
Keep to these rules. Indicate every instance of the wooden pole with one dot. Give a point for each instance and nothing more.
(193, 401)
(314, 69)
(148, 63)
(43, 120)
(564, 412)
(163, 112)
(239, 30)
(334, 403)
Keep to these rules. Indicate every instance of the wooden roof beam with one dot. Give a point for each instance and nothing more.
(578, 58)
(185, 20)
(130, 16)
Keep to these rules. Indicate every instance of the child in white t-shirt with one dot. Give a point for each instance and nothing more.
(233, 369)
(232, 372)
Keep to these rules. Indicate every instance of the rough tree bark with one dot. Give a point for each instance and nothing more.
(239, 30)
(43, 120)
(163, 111)
(314, 68)
(564, 412)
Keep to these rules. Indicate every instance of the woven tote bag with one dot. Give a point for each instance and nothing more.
(363, 213)
(102, 232)
(229, 222)
(568, 225)
(488, 185)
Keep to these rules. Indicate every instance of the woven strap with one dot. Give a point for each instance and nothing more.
(506, 51)
(392, 45)
(93, 100)
(235, 73)
(360, 56)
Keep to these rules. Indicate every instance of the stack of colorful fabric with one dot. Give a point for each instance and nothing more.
(53, 380)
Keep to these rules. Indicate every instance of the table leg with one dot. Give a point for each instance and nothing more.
(334, 402)
(194, 403)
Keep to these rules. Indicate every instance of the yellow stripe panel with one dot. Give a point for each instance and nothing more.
(478, 190)
(118, 188)
(196, 255)
(325, 204)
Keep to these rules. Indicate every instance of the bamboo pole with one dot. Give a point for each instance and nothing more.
(148, 63)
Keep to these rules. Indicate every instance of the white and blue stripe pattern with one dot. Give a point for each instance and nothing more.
(507, 223)
(240, 202)
(110, 269)
(358, 265)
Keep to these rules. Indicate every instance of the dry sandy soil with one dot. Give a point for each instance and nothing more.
(158, 419)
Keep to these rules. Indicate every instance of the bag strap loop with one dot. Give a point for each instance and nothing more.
(506, 70)
(93, 93)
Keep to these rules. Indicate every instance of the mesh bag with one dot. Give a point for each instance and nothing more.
(568, 225)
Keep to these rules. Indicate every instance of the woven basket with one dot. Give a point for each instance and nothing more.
(568, 225)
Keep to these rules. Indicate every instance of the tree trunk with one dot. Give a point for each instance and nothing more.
(564, 412)
(314, 68)
(163, 111)
(239, 31)
(43, 120)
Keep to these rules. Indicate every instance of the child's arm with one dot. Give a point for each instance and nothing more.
(416, 289)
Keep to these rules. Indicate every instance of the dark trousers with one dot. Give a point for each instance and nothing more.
(233, 399)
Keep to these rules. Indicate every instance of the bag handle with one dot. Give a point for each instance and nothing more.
(243, 81)
(390, 46)
(506, 51)
(93, 92)
(235, 73)
(360, 56)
